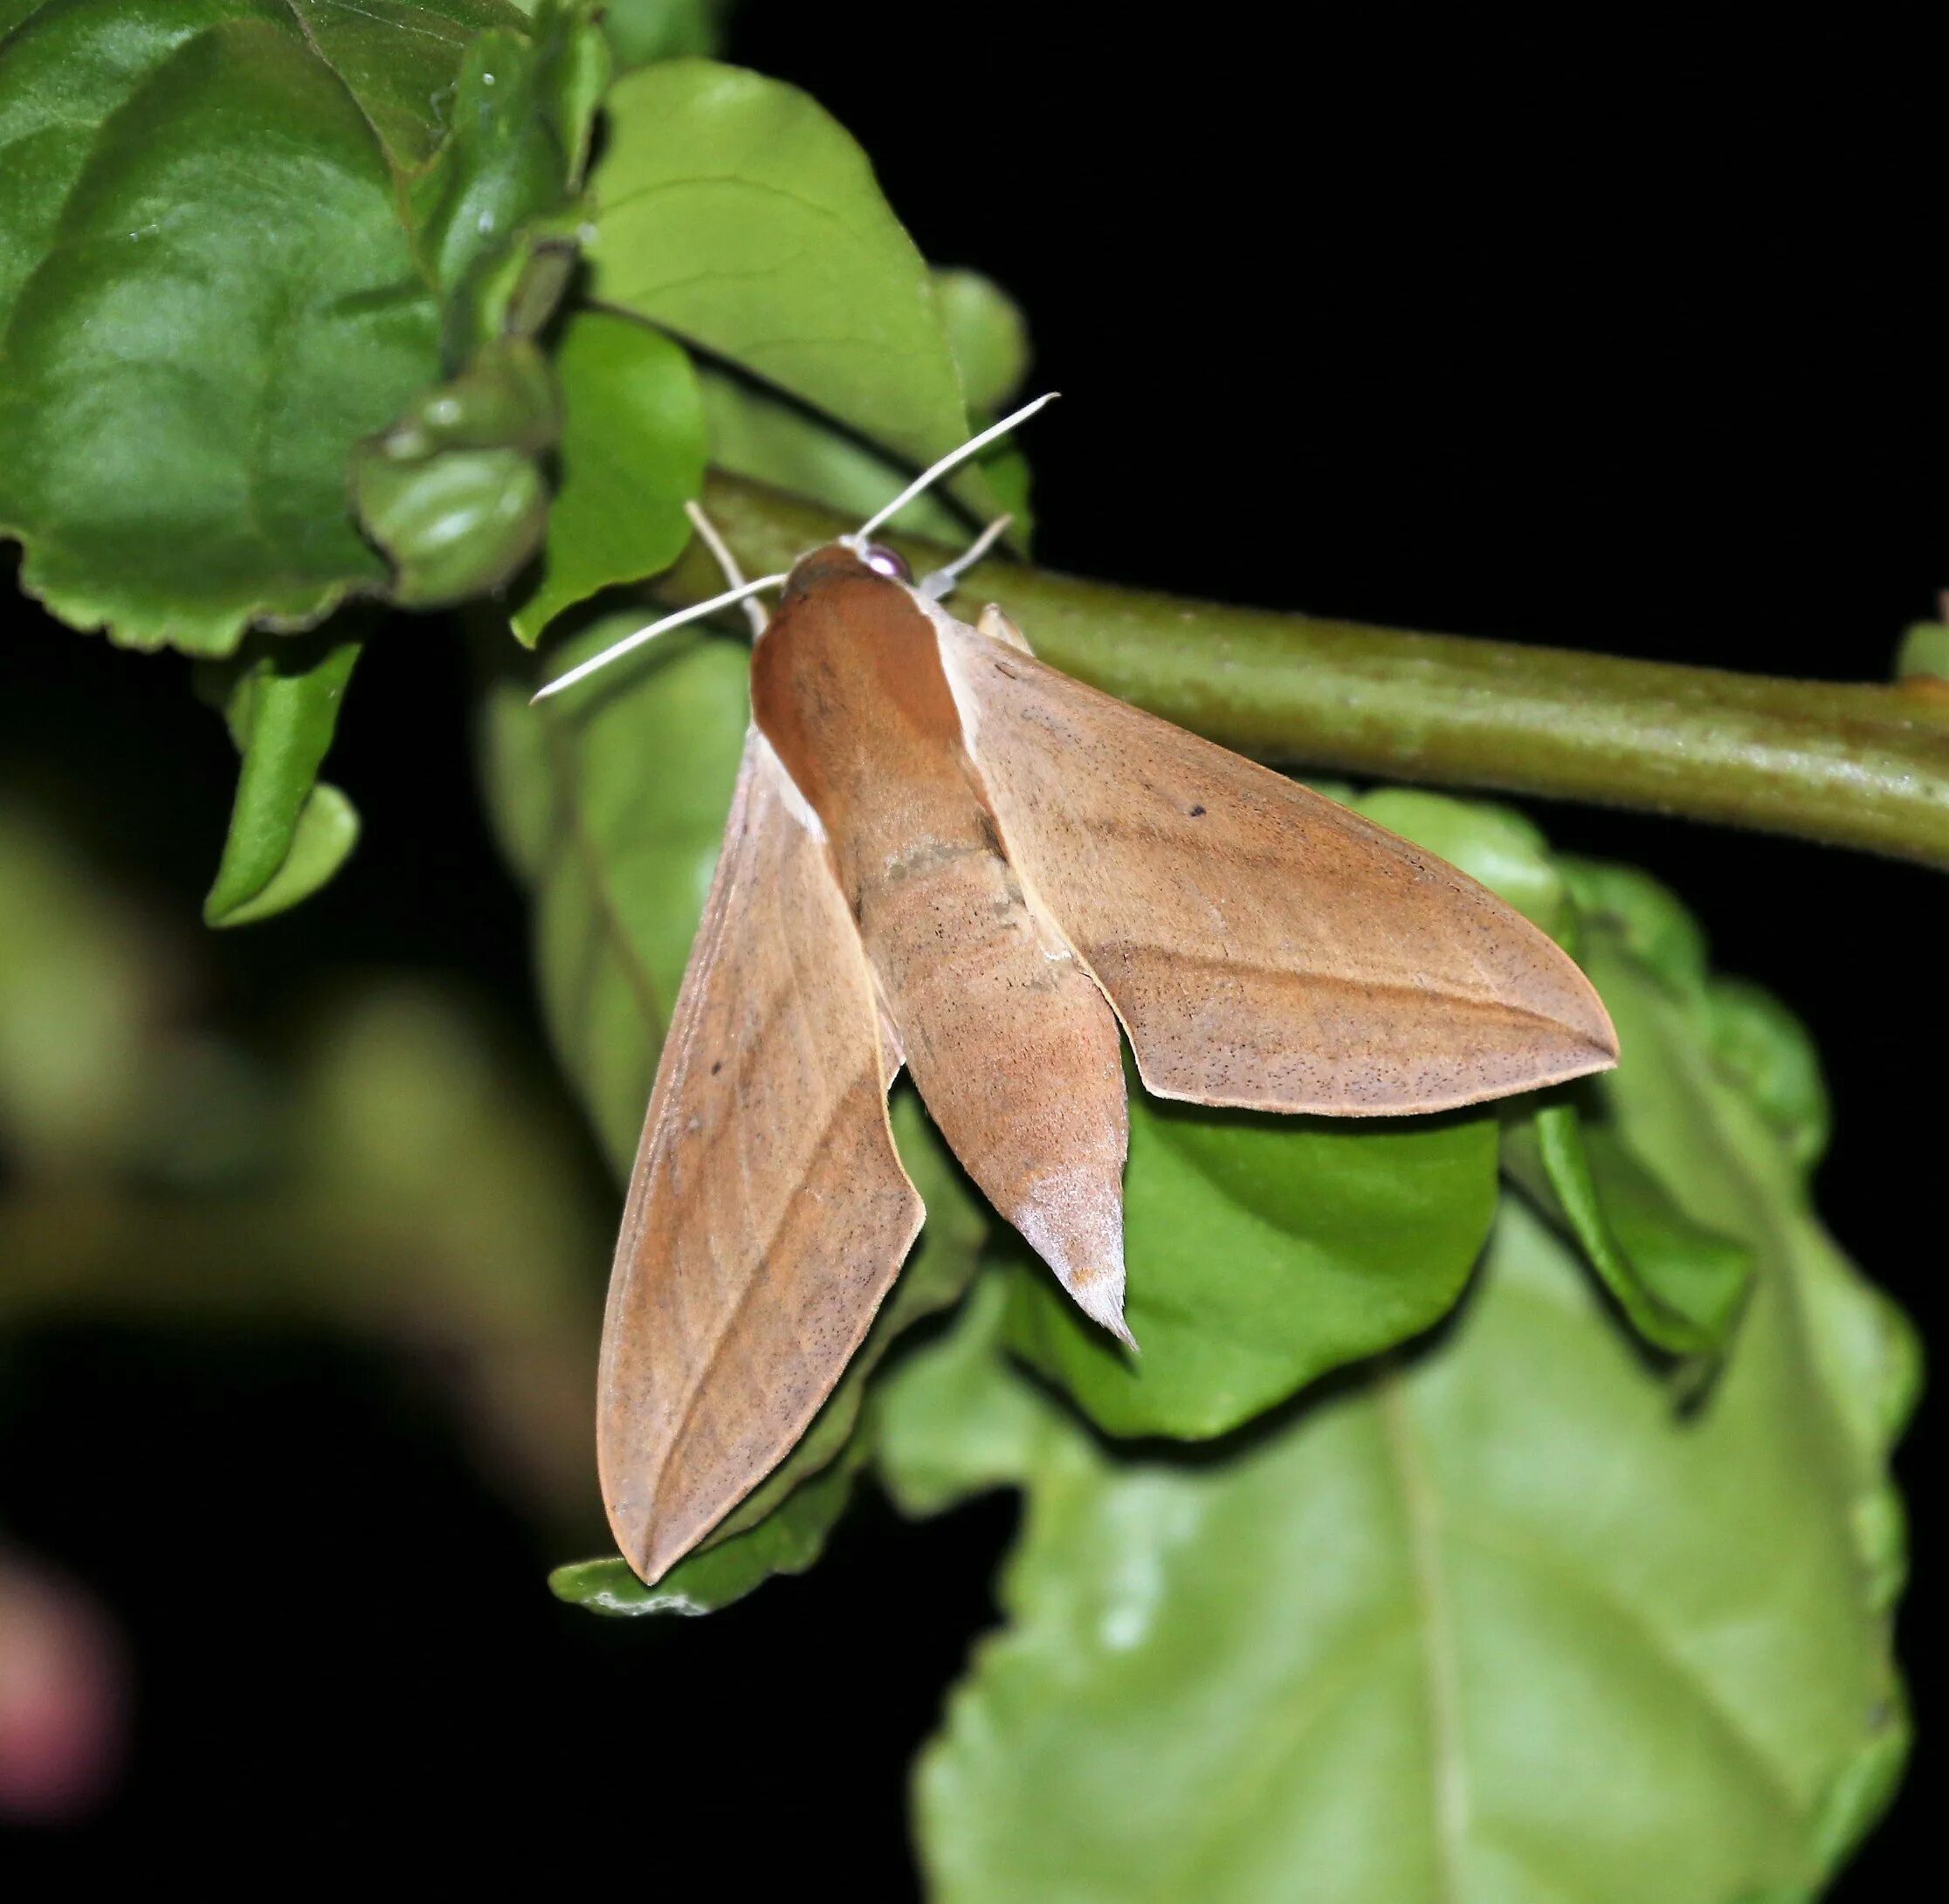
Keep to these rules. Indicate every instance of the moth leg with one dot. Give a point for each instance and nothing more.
(998, 627)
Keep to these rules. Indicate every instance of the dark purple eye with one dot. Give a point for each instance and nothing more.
(885, 561)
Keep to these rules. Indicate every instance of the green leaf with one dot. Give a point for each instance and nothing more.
(1511, 1621)
(1923, 654)
(640, 31)
(788, 1540)
(1263, 1252)
(397, 58)
(235, 241)
(453, 492)
(523, 108)
(327, 831)
(954, 1420)
(288, 836)
(1646, 916)
(632, 455)
(1762, 1044)
(1680, 1283)
(756, 432)
(611, 802)
(988, 336)
(732, 211)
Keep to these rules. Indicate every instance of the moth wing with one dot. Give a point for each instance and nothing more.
(767, 1212)
(1263, 946)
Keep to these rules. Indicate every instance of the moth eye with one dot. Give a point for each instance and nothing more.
(885, 561)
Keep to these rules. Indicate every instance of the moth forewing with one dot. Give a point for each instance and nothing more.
(1264, 948)
(767, 1212)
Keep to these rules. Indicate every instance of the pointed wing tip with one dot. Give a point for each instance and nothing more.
(652, 1545)
(1101, 1298)
(1600, 1036)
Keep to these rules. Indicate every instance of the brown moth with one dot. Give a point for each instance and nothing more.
(943, 854)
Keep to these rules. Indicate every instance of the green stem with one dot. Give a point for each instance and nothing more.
(1853, 764)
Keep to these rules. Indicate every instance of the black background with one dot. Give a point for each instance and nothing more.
(1588, 336)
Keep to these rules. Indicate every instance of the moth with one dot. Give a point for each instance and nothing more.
(944, 855)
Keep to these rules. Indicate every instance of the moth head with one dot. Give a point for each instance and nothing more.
(885, 561)
(845, 561)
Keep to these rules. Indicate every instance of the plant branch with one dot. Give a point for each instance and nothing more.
(1855, 764)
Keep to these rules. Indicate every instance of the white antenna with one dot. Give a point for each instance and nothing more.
(721, 552)
(945, 578)
(928, 477)
(695, 613)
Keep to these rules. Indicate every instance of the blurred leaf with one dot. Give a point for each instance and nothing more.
(286, 832)
(732, 211)
(1648, 918)
(1762, 1044)
(954, 1420)
(758, 433)
(235, 240)
(640, 31)
(632, 455)
(1924, 654)
(1680, 1283)
(78, 984)
(396, 1177)
(1511, 1622)
(988, 337)
(611, 802)
(1263, 1252)
(455, 526)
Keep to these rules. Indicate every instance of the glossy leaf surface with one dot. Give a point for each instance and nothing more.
(287, 834)
(236, 240)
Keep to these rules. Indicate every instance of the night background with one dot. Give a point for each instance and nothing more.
(1604, 340)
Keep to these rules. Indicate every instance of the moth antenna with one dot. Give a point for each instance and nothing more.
(695, 613)
(953, 460)
(942, 581)
(721, 551)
